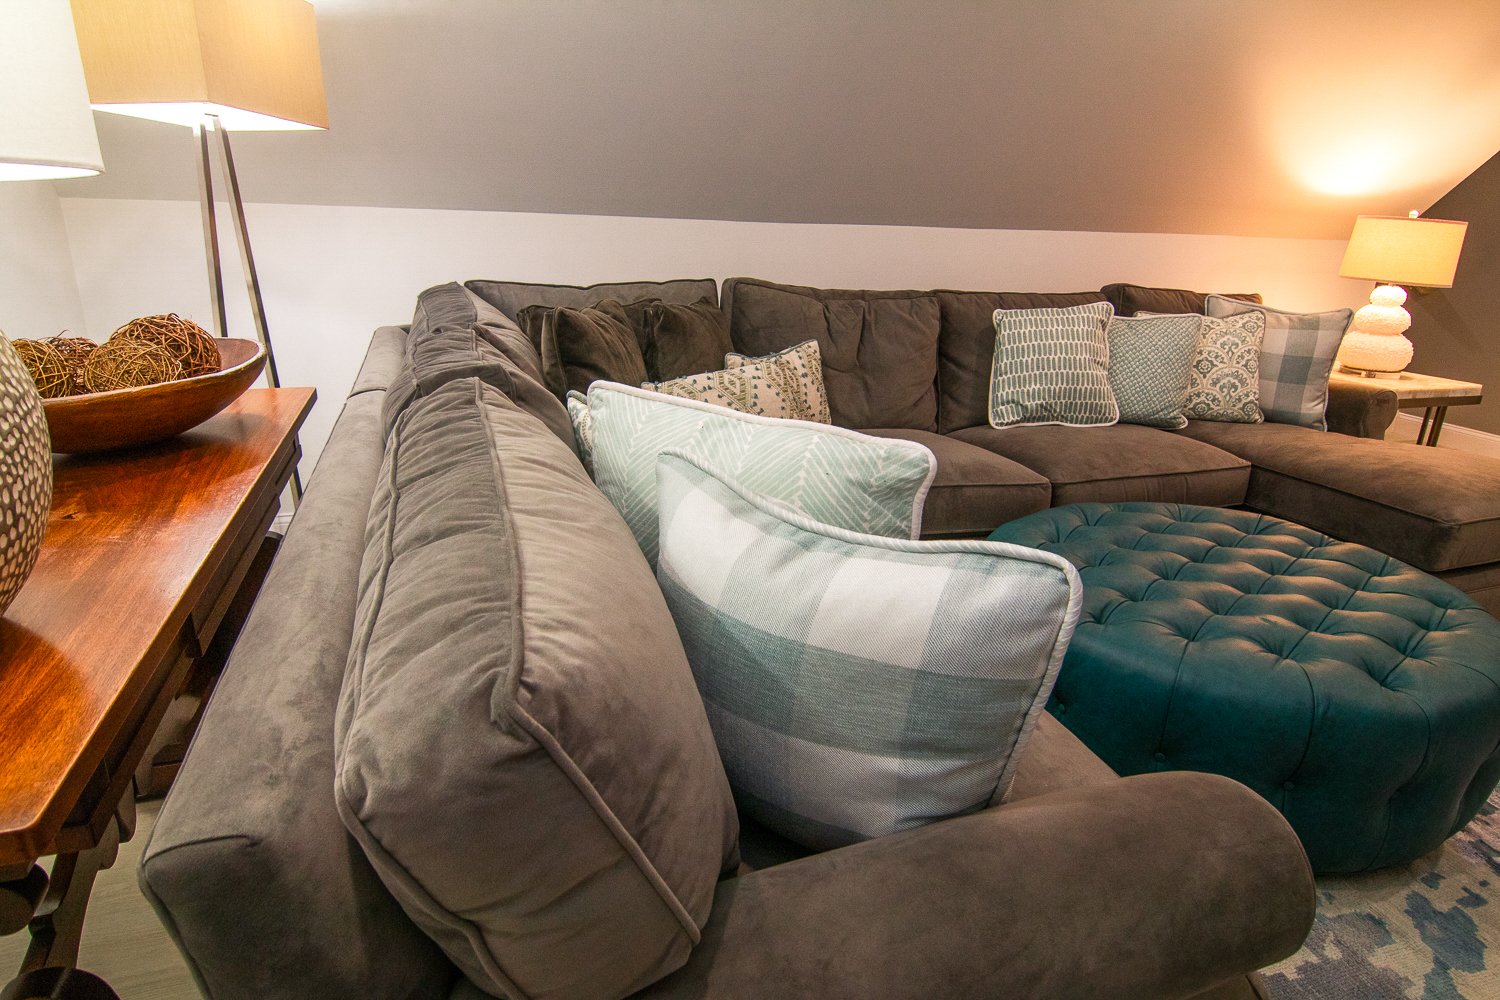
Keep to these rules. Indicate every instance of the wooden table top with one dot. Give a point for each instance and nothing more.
(1414, 385)
(131, 542)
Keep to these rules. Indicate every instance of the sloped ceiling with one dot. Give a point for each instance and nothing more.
(1245, 117)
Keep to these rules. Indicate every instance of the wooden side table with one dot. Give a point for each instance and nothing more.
(145, 553)
(1428, 393)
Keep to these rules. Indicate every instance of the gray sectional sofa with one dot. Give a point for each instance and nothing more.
(1081, 884)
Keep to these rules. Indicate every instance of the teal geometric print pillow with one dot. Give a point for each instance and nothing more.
(1052, 367)
(868, 484)
(856, 686)
(1150, 361)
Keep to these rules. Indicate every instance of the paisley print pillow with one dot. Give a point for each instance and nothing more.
(1224, 383)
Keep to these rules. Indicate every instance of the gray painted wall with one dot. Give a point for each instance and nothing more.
(1237, 117)
(1457, 330)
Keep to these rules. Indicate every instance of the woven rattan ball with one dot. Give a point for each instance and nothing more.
(75, 353)
(126, 364)
(185, 340)
(51, 373)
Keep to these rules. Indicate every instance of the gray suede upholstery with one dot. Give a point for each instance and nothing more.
(973, 487)
(1120, 462)
(1362, 410)
(1146, 888)
(1130, 299)
(510, 297)
(266, 894)
(1431, 507)
(879, 348)
(545, 800)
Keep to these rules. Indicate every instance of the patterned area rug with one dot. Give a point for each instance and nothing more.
(1426, 931)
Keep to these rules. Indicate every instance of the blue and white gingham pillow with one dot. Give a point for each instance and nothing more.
(1296, 357)
(856, 685)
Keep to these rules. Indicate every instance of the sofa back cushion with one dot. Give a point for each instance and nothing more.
(1130, 299)
(510, 297)
(519, 746)
(454, 335)
(879, 348)
(966, 348)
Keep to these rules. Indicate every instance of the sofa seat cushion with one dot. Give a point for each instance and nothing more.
(510, 297)
(879, 348)
(1436, 509)
(974, 489)
(1119, 463)
(966, 347)
(506, 620)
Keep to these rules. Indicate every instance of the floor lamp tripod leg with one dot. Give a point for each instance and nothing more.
(252, 279)
(210, 226)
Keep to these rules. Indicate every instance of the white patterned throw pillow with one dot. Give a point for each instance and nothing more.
(1296, 358)
(856, 685)
(787, 385)
(1051, 366)
(868, 484)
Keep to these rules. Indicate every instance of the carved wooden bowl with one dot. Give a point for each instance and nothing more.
(123, 418)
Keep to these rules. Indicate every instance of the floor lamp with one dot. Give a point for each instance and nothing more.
(215, 66)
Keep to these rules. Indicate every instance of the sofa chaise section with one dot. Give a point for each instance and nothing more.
(1436, 509)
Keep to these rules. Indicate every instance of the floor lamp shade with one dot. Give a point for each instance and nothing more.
(252, 63)
(46, 127)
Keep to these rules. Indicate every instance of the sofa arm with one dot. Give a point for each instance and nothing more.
(1360, 410)
(1158, 886)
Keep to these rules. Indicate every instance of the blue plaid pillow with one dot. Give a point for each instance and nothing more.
(1296, 358)
(856, 685)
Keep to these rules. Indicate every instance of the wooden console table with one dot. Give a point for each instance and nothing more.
(144, 554)
(1428, 393)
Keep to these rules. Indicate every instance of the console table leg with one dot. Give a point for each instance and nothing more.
(48, 970)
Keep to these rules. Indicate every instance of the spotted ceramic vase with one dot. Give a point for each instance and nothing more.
(25, 473)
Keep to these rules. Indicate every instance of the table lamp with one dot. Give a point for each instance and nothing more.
(46, 127)
(216, 66)
(1393, 251)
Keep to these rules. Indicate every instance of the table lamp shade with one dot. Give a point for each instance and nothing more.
(1399, 250)
(253, 63)
(46, 127)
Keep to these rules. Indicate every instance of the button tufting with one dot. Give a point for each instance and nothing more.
(1160, 756)
(1288, 785)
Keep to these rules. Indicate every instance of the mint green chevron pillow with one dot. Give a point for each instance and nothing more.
(875, 486)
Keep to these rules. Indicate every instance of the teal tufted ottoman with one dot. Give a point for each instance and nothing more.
(1358, 695)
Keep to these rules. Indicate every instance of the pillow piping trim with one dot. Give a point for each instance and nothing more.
(919, 501)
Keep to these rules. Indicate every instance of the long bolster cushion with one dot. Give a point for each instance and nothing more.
(520, 748)
(1155, 887)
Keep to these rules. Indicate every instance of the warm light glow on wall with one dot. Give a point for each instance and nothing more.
(1407, 119)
